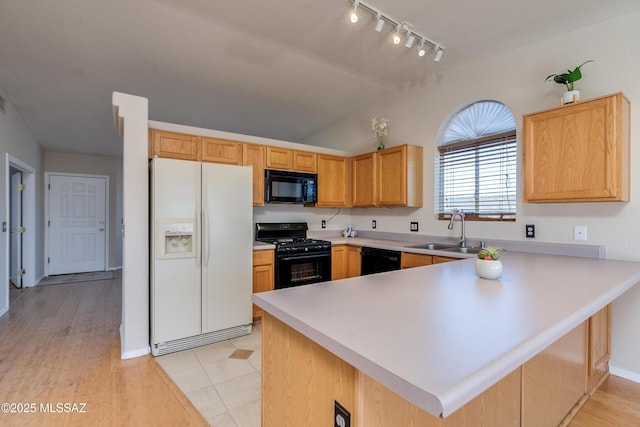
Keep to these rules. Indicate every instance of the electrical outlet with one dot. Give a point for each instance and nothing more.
(342, 417)
(579, 232)
(324, 224)
(374, 224)
(414, 226)
(530, 231)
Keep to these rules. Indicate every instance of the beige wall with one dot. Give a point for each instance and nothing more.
(418, 110)
(97, 165)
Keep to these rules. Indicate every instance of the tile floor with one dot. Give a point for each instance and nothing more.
(221, 382)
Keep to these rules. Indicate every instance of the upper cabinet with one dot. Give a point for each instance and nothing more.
(305, 161)
(221, 151)
(578, 152)
(390, 177)
(279, 158)
(292, 160)
(364, 180)
(173, 145)
(334, 181)
(253, 155)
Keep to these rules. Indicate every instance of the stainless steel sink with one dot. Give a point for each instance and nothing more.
(466, 250)
(433, 246)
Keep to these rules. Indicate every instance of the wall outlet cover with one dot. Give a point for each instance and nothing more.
(530, 231)
(414, 226)
(373, 224)
(324, 224)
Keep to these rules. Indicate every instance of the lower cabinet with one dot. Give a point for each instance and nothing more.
(410, 259)
(263, 275)
(599, 345)
(546, 391)
(345, 261)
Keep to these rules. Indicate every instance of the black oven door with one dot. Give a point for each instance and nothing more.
(298, 270)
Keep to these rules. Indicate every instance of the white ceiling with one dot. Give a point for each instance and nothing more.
(280, 69)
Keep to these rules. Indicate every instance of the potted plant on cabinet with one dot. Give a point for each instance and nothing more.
(488, 264)
(568, 79)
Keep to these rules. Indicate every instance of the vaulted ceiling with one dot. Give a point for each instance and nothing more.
(280, 69)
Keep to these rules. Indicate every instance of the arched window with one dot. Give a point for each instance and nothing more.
(476, 163)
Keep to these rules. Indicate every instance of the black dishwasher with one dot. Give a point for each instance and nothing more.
(378, 260)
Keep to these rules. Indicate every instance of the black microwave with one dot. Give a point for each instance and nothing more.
(289, 187)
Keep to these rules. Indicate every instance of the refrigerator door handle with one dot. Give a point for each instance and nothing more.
(195, 234)
(205, 235)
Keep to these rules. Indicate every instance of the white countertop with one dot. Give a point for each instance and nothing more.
(439, 335)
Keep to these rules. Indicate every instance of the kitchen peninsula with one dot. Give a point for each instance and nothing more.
(436, 345)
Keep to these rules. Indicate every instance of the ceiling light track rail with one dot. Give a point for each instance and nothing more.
(401, 28)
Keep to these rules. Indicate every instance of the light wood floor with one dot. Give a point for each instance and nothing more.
(60, 344)
(615, 404)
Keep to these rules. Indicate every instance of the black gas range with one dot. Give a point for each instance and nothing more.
(299, 260)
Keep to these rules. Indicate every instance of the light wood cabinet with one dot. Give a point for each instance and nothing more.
(364, 172)
(174, 145)
(345, 261)
(279, 158)
(399, 179)
(553, 380)
(390, 177)
(410, 260)
(599, 348)
(334, 181)
(578, 152)
(291, 160)
(304, 161)
(354, 261)
(253, 155)
(437, 259)
(221, 151)
(263, 275)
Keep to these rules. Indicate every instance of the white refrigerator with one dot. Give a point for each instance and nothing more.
(201, 253)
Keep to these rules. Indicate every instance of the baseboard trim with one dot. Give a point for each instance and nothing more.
(124, 355)
(623, 373)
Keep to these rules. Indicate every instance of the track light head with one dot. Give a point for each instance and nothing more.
(354, 15)
(421, 50)
(410, 39)
(439, 52)
(396, 36)
(379, 22)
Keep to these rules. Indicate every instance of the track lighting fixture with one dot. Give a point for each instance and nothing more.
(421, 50)
(401, 29)
(354, 15)
(396, 36)
(439, 52)
(379, 22)
(410, 39)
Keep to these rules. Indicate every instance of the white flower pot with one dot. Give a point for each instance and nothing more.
(570, 96)
(488, 269)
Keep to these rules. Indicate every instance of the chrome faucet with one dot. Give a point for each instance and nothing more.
(454, 213)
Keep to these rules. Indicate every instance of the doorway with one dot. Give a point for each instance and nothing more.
(20, 259)
(76, 223)
(15, 227)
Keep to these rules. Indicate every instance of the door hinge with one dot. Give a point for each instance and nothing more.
(48, 260)
(21, 272)
(21, 229)
(20, 187)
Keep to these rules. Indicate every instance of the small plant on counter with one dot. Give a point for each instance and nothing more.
(490, 253)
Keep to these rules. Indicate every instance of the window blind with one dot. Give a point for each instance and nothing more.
(479, 176)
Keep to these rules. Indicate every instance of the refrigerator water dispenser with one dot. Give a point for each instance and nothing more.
(176, 238)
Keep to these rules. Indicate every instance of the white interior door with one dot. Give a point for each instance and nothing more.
(16, 229)
(76, 224)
